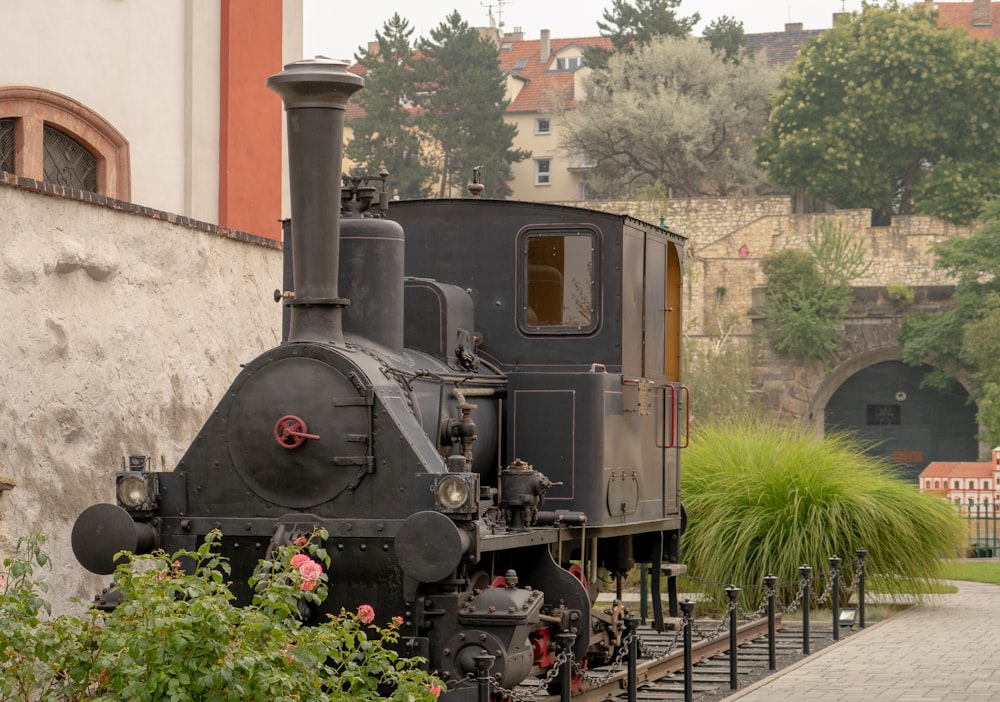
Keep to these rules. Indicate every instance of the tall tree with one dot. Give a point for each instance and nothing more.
(725, 35)
(893, 112)
(385, 133)
(632, 26)
(964, 340)
(673, 113)
(462, 98)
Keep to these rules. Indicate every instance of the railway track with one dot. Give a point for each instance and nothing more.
(659, 670)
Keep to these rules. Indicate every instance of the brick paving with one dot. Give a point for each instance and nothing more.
(946, 649)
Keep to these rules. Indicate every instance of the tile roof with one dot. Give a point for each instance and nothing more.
(522, 60)
(963, 469)
(780, 47)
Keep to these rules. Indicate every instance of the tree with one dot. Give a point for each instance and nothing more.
(809, 292)
(725, 35)
(631, 27)
(964, 340)
(890, 111)
(672, 113)
(385, 133)
(462, 97)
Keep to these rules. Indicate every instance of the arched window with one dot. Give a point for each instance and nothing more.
(50, 137)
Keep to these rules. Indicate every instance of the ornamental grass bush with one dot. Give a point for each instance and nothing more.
(763, 498)
(176, 636)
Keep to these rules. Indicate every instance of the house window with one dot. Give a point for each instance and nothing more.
(570, 63)
(956, 484)
(558, 286)
(937, 484)
(972, 484)
(986, 485)
(543, 171)
(543, 126)
(67, 162)
(7, 144)
(882, 415)
(59, 140)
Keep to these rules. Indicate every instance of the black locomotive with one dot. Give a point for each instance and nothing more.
(485, 415)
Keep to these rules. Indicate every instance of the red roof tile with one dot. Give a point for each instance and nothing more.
(945, 469)
(522, 59)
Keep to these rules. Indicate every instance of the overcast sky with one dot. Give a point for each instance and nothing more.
(336, 28)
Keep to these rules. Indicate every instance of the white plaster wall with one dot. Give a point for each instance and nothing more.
(126, 61)
(120, 334)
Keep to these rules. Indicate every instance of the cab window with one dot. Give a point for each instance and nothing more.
(559, 288)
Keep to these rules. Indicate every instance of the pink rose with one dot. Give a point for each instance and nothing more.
(298, 559)
(310, 572)
(366, 614)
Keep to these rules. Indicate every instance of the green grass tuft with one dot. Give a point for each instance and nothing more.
(764, 498)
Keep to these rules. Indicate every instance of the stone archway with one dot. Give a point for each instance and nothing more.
(879, 399)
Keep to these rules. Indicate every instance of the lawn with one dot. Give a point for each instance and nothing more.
(977, 571)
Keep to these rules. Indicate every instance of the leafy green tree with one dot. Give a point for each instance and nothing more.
(385, 133)
(725, 36)
(890, 111)
(462, 97)
(809, 292)
(632, 26)
(964, 339)
(674, 113)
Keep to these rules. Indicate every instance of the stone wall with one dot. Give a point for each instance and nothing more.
(121, 331)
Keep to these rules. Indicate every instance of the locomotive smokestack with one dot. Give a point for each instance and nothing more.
(315, 93)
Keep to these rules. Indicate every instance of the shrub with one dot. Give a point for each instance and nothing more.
(177, 637)
(763, 498)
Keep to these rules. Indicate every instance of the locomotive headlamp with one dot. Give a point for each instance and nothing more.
(137, 491)
(452, 492)
(456, 493)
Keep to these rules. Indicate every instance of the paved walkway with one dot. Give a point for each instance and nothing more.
(947, 649)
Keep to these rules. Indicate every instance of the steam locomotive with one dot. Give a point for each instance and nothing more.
(485, 415)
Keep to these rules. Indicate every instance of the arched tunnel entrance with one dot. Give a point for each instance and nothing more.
(885, 407)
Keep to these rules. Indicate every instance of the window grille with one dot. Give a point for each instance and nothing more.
(66, 162)
(7, 127)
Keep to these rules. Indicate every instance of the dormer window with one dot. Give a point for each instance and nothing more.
(570, 63)
(543, 125)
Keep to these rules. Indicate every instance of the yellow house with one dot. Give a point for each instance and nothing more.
(544, 76)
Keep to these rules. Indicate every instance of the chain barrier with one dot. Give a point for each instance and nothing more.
(829, 587)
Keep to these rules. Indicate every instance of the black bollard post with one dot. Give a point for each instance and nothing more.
(804, 573)
(772, 660)
(484, 662)
(733, 593)
(632, 625)
(861, 587)
(565, 642)
(643, 593)
(687, 607)
(835, 595)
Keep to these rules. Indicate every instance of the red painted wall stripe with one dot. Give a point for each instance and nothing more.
(250, 118)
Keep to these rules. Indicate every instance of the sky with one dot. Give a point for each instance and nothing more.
(336, 28)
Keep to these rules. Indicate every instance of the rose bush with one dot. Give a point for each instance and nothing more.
(176, 636)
